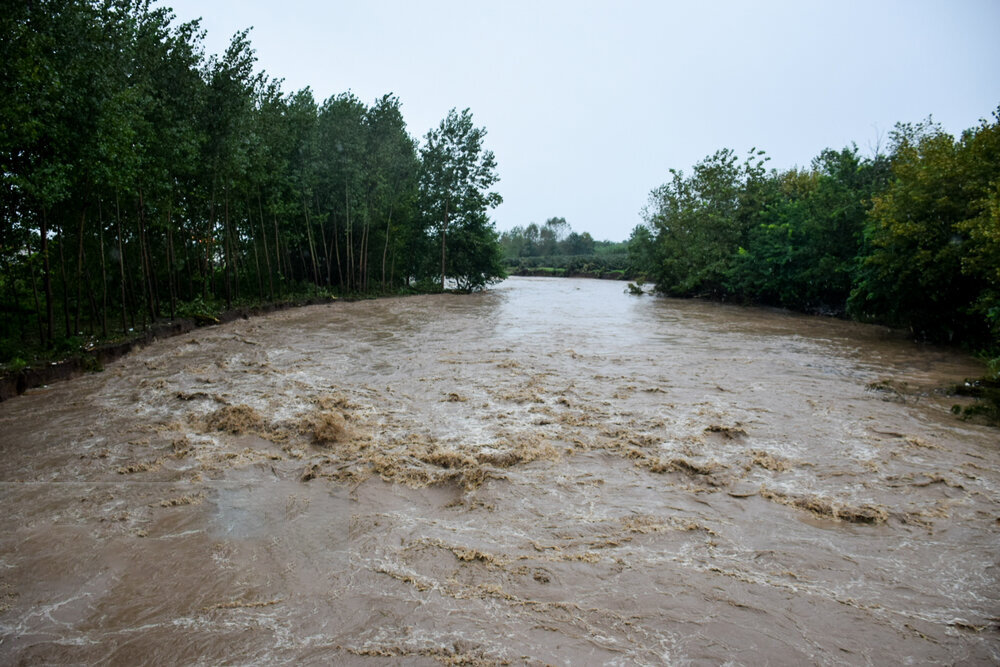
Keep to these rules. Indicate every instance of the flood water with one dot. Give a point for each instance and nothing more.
(551, 472)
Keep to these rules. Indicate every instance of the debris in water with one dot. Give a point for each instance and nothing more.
(768, 461)
(889, 390)
(327, 428)
(826, 508)
(659, 465)
(243, 604)
(183, 500)
(237, 419)
(144, 466)
(727, 432)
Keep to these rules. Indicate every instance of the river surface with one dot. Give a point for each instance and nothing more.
(551, 472)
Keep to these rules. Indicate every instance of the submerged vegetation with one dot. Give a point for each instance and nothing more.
(142, 179)
(909, 239)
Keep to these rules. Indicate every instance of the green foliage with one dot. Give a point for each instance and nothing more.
(699, 223)
(803, 251)
(141, 179)
(455, 195)
(911, 239)
(200, 308)
(554, 237)
(932, 262)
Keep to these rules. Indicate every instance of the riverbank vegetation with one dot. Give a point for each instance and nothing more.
(909, 238)
(142, 180)
(554, 249)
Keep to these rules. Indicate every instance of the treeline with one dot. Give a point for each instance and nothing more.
(142, 179)
(554, 237)
(910, 238)
(553, 248)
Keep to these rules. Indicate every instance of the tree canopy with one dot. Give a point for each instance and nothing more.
(909, 238)
(142, 179)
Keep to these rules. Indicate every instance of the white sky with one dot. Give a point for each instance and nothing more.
(588, 104)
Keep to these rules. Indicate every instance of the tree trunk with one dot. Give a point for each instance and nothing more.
(349, 232)
(121, 263)
(147, 268)
(47, 281)
(38, 309)
(336, 254)
(104, 271)
(171, 265)
(364, 252)
(90, 297)
(385, 248)
(256, 259)
(326, 248)
(61, 241)
(209, 270)
(277, 249)
(312, 245)
(227, 249)
(79, 271)
(267, 256)
(444, 232)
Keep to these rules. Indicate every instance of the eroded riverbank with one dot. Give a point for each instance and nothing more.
(550, 472)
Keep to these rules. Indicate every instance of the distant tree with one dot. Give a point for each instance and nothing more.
(551, 234)
(532, 241)
(577, 244)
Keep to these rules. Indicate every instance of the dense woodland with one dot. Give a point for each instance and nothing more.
(909, 238)
(142, 179)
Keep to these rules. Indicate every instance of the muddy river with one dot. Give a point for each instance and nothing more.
(551, 472)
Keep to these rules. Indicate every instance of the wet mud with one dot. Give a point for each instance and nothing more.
(552, 472)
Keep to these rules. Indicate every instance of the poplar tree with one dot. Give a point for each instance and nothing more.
(455, 180)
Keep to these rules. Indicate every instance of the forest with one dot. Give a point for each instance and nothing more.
(143, 179)
(909, 238)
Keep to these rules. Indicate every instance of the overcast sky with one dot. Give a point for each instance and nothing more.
(588, 104)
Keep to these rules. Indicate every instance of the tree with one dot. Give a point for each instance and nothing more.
(455, 182)
(912, 274)
(700, 222)
(136, 173)
(802, 250)
(578, 244)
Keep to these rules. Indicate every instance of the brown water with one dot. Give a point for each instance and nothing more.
(550, 472)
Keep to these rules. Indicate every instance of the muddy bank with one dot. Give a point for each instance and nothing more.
(552, 472)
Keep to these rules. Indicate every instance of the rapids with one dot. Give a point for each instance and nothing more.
(550, 472)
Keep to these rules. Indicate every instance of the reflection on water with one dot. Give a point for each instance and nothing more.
(548, 472)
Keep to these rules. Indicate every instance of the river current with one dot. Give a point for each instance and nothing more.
(550, 472)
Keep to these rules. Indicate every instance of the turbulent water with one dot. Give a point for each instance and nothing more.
(552, 472)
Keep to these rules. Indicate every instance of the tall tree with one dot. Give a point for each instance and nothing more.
(455, 181)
